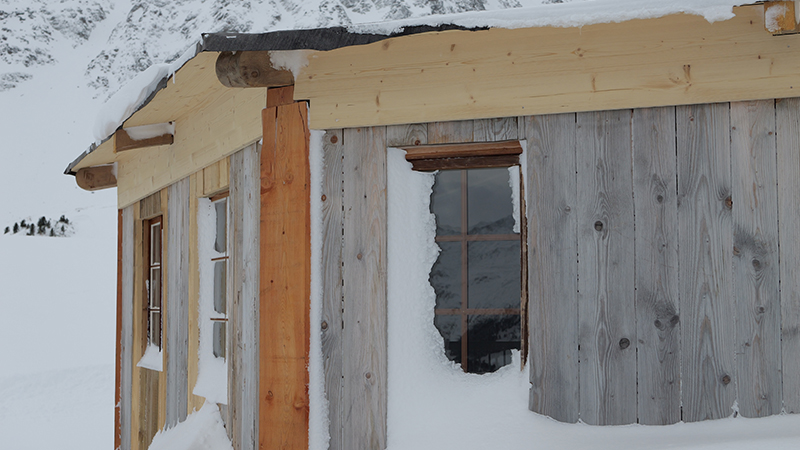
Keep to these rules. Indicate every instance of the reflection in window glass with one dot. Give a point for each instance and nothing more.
(446, 276)
(489, 210)
(446, 202)
(450, 327)
(221, 208)
(219, 338)
(220, 275)
(491, 339)
(494, 274)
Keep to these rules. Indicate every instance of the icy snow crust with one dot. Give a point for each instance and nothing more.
(202, 430)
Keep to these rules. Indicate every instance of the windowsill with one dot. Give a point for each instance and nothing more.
(152, 359)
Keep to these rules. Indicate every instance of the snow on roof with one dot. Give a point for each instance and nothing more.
(139, 91)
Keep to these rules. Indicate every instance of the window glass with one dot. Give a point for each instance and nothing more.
(220, 275)
(221, 209)
(494, 274)
(489, 210)
(219, 338)
(490, 341)
(155, 328)
(155, 287)
(155, 243)
(450, 327)
(446, 202)
(446, 276)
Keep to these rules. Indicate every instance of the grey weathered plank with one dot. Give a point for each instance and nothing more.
(606, 311)
(450, 132)
(243, 319)
(656, 237)
(150, 206)
(404, 135)
(788, 141)
(499, 129)
(364, 340)
(126, 331)
(705, 244)
(553, 276)
(755, 258)
(331, 326)
(177, 314)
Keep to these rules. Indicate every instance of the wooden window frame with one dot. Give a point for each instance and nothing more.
(429, 158)
(150, 265)
(216, 199)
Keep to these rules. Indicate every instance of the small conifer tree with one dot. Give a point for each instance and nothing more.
(7, 230)
(23, 224)
(31, 230)
(16, 228)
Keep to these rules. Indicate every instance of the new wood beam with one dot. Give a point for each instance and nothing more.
(250, 69)
(96, 178)
(123, 141)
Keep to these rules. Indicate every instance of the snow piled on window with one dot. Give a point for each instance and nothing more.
(202, 430)
(212, 372)
(152, 359)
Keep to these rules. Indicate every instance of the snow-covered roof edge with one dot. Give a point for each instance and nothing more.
(143, 88)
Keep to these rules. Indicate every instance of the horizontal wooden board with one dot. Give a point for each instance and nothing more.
(455, 75)
(462, 150)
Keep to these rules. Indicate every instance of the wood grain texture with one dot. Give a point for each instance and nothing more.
(756, 270)
(123, 141)
(215, 177)
(285, 278)
(364, 340)
(195, 186)
(150, 206)
(656, 235)
(606, 309)
(118, 337)
(96, 178)
(788, 141)
(126, 328)
(243, 317)
(137, 330)
(498, 129)
(553, 261)
(451, 132)
(177, 310)
(161, 392)
(493, 148)
(406, 135)
(705, 243)
(332, 302)
(280, 96)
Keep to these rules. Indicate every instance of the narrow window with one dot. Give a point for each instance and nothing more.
(154, 286)
(220, 262)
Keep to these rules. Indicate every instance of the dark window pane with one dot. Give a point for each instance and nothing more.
(489, 209)
(220, 270)
(490, 340)
(450, 327)
(494, 274)
(155, 328)
(155, 244)
(221, 208)
(446, 276)
(446, 202)
(155, 287)
(219, 339)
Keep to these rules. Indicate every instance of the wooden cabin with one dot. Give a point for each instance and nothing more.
(655, 277)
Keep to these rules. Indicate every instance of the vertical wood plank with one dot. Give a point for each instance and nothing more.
(160, 393)
(177, 311)
(195, 186)
(705, 244)
(137, 329)
(331, 326)
(756, 271)
(656, 262)
(126, 328)
(606, 309)
(553, 275)
(450, 132)
(364, 255)
(404, 135)
(788, 141)
(285, 277)
(118, 340)
(499, 129)
(243, 318)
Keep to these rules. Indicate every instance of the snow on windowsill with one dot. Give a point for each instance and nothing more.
(202, 430)
(152, 359)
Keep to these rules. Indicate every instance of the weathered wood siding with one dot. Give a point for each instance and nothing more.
(177, 308)
(685, 278)
(126, 328)
(243, 313)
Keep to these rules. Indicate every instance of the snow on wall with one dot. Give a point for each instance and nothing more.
(212, 372)
(152, 359)
(202, 430)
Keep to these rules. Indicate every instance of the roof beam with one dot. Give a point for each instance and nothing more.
(780, 17)
(130, 139)
(250, 69)
(96, 178)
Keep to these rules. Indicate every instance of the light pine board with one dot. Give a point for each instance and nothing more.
(364, 340)
(243, 316)
(755, 258)
(331, 326)
(656, 232)
(177, 311)
(285, 283)
(788, 143)
(126, 328)
(553, 258)
(705, 243)
(606, 310)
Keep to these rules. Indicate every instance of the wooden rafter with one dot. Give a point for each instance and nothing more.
(123, 141)
(96, 178)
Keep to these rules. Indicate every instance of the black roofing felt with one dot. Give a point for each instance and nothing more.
(312, 39)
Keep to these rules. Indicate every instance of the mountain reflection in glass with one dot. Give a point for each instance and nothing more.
(477, 275)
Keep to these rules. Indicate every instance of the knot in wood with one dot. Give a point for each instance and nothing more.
(660, 198)
(334, 139)
(729, 202)
(726, 379)
(658, 324)
(324, 197)
(254, 74)
(736, 251)
(269, 394)
(756, 264)
(368, 375)
(324, 325)
(598, 226)
(417, 142)
(358, 256)
(761, 310)
(624, 343)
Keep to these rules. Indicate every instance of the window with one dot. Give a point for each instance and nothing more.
(220, 261)
(153, 283)
(479, 275)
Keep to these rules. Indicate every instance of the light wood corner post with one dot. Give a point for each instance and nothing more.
(285, 276)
